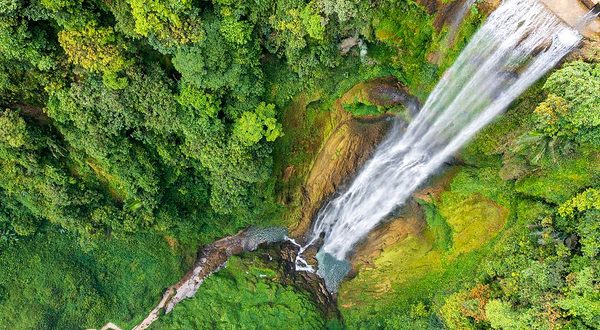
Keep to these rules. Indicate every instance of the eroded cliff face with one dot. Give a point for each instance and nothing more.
(346, 150)
(349, 145)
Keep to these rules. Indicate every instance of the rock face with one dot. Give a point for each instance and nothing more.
(410, 222)
(570, 11)
(386, 91)
(309, 282)
(350, 145)
(406, 248)
(347, 44)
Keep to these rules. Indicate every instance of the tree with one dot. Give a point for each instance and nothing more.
(97, 50)
(581, 300)
(253, 126)
(501, 316)
(573, 105)
(584, 201)
(223, 63)
(119, 132)
(13, 130)
(579, 83)
(344, 10)
(551, 114)
(172, 23)
(35, 176)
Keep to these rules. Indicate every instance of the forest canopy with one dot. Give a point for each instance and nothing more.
(133, 132)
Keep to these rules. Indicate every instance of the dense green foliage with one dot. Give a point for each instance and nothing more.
(162, 115)
(123, 119)
(131, 132)
(48, 281)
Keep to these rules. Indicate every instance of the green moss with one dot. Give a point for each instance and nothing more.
(307, 122)
(437, 223)
(474, 219)
(557, 184)
(485, 181)
(52, 283)
(396, 267)
(361, 109)
(462, 226)
(244, 295)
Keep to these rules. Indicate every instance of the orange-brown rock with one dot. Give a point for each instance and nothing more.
(346, 150)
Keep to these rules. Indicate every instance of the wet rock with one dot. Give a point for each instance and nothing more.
(347, 44)
(386, 91)
(393, 95)
(410, 220)
(588, 52)
(433, 57)
(305, 281)
(350, 145)
(447, 14)
(310, 254)
(486, 7)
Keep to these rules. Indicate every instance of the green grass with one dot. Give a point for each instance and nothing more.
(52, 282)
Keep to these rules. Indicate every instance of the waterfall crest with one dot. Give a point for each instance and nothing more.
(519, 42)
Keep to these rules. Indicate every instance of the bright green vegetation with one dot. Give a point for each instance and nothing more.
(134, 131)
(49, 281)
(513, 243)
(129, 116)
(245, 296)
(460, 223)
(165, 122)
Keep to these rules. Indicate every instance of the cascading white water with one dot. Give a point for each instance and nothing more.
(519, 42)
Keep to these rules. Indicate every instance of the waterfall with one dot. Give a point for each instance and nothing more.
(518, 43)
